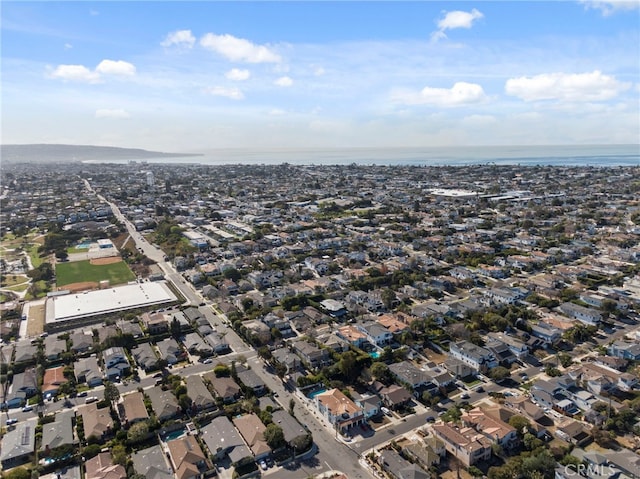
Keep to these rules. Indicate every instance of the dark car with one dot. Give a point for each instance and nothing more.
(480, 389)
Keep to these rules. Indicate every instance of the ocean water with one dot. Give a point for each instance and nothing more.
(564, 155)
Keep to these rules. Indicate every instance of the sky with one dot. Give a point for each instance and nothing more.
(195, 76)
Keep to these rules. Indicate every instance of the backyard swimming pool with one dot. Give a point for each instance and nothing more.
(315, 393)
(170, 436)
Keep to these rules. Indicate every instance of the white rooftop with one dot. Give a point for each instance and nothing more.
(119, 298)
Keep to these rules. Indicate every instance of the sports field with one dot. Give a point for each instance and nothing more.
(86, 272)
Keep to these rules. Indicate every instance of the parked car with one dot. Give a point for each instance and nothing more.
(83, 394)
(27, 408)
(385, 411)
(90, 399)
(263, 465)
(11, 421)
(464, 396)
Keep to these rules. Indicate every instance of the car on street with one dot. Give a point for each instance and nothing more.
(27, 408)
(480, 389)
(11, 421)
(464, 396)
(83, 394)
(263, 465)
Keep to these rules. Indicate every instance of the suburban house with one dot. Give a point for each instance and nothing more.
(88, 371)
(164, 403)
(376, 333)
(52, 380)
(493, 429)
(58, 433)
(465, 444)
(588, 316)
(225, 388)
(224, 441)
(81, 342)
(311, 354)
(170, 351)
(199, 394)
(479, 358)
(352, 335)
(24, 386)
(398, 467)
(152, 463)
(116, 363)
(252, 430)
(251, 380)
(145, 357)
(132, 408)
(407, 373)
(96, 422)
(515, 345)
(625, 350)
(395, 396)
(338, 410)
(101, 466)
(290, 426)
(549, 334)
(186, 457)
(155, 323)
(18, 444)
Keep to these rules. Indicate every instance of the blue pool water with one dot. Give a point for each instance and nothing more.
(174, 435)
(315, 393)
(375, 354)
(84, 245)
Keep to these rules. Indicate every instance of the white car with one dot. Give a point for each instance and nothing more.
(263, 465)
(27, 409)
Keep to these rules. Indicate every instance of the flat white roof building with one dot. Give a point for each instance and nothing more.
(75, 306)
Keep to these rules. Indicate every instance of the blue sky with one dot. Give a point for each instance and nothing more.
(193, 76)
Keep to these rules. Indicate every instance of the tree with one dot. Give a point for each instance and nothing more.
(175, 328)
(119, 454)
(380, 370)
(348, 365)
(499, 373)
(520, 423)
(18, 473)
(138, 432)
(221, 370)
(274, 436)
(111, 392)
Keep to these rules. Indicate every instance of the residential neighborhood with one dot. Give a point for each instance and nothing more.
(360, 321)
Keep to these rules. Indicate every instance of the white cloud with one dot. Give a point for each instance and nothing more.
(609, 7)
(116, 67)
(576, 87)
(182, 38)
(238, 75)
(284, 81)
(68, 46)
(239, 49)
(276, 112)
(78, 73)
(461, 93)
(112, 113)
(318, 71)
(455, 19)
(233, 93)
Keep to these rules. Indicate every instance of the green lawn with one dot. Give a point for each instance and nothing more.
(80, 271)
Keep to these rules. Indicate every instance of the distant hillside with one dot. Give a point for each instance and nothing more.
(43, 153)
